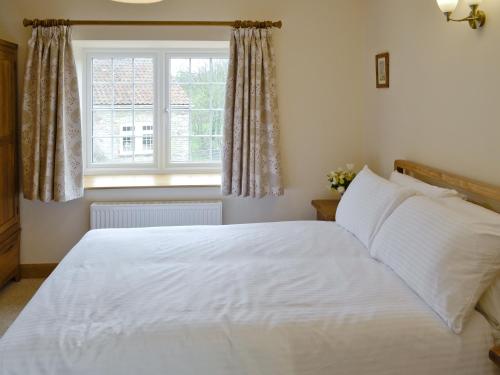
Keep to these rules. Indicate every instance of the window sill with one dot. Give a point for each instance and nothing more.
(152, 181)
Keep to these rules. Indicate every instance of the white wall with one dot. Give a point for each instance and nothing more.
(320, 54)
(443, 106)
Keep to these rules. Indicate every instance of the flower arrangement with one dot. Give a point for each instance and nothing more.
(341, 178)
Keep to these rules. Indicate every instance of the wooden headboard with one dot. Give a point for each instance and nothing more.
(476, 191)
(484, 194)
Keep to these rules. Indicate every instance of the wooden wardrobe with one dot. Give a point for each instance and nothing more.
(9, 181)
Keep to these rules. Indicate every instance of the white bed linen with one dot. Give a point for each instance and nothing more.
(283, 298)
(447, 257)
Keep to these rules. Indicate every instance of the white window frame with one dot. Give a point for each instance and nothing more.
(187, 53)
(161, 130)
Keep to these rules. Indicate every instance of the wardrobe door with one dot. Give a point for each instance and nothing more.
(9, 192)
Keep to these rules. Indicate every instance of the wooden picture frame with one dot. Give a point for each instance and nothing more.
(382, 68)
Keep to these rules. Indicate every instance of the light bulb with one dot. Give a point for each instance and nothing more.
(448, 6)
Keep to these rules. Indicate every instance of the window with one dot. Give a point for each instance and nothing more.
(127, 145)
(122, 94)
(147, 142)
(196, 108)
(160, 110)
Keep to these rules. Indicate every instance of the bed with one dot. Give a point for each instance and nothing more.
(275, 298)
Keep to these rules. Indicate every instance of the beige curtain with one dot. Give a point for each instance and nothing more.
(51, 125)
(251, 159)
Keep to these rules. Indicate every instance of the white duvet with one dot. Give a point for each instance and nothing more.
(269, 299)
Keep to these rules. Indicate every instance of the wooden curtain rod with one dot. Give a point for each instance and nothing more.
(57, 22)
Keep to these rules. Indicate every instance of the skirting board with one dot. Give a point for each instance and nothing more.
(37, 271)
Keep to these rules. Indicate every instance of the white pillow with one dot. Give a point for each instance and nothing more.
(489, 304)
(447, 258)
(422, 187)
(368, 201)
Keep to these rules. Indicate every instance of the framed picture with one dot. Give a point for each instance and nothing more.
(382, 66)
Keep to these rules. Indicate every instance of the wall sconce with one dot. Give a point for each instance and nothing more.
(476, 18)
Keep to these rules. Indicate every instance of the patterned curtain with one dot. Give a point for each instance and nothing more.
(51, 125)
(251, 159)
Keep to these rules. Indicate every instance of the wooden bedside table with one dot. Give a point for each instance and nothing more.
(325, 209)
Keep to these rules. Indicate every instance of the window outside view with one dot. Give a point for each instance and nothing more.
(123, 110)
(197, 94)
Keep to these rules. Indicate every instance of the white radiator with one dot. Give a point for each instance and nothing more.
(154, 214)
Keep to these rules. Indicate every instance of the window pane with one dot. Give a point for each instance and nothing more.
(179, 123)
(197, 96)
(200, 70)
(123, 70)
(124, 123)
(217, 122)
(200, 149)
(143, 70)
(123, 150)
(179, 152)
(102, 94)
(219, 70)
(123, 94)
(127, 145)
(179, 96)
(144, 93)
(201, 123)
(144, 119)
(144, 148)
(101, 150)
(102, 70)
(216, 148)
(147, 142)
(179, 70)
(123, 110)
(112, 150)
(218, 96)
(102, 120)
